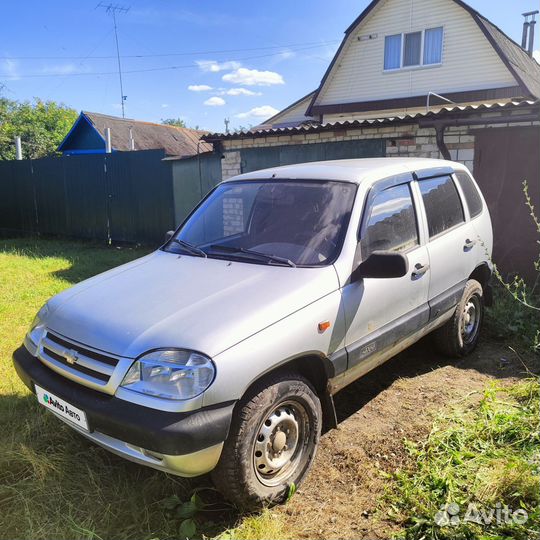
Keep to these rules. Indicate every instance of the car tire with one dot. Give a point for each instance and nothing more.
(272, 442)
(459, 336)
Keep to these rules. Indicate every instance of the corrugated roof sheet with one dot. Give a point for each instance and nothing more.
(176, 141)
(406, 118)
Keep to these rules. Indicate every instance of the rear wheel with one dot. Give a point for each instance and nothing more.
(272, 442)
(459, 336)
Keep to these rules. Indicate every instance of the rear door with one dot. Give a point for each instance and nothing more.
(452, 241)
(380, 312)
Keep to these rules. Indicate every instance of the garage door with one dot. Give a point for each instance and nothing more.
(254, 159)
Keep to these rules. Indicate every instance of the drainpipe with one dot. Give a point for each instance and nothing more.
(441, 145)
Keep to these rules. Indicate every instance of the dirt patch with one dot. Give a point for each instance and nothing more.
(377, 413)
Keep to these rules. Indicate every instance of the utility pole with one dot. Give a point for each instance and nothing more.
(113, 9)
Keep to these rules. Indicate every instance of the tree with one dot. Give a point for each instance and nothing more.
(42, 125)
(176, 122)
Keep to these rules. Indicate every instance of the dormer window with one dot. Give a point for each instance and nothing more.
(413, 49)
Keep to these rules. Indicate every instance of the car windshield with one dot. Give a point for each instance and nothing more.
(280, 222)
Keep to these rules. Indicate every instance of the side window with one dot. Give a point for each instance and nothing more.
(442, 204)
(472, 197)
(391, 222)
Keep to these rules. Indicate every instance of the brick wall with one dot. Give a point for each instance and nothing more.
(401, 141)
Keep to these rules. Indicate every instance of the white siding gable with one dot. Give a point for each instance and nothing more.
(469, 62)
(292, 115)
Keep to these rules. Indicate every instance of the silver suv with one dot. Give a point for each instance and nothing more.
(221, 351)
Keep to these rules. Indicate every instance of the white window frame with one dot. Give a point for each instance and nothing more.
(421, 65)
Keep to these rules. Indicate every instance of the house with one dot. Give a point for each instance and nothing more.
(88, 136)
(420, 78)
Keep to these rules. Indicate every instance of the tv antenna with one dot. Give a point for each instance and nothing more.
(113, 9)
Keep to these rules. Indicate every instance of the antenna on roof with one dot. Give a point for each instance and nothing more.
(113, 9)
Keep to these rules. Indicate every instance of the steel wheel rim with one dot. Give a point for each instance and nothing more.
(280, 443)
(470, 319)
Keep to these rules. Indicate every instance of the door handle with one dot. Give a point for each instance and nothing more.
(419, 270)
(469, 244)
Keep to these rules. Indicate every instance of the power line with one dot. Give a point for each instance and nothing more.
(162, 55)
(113, 9)
(152, 69)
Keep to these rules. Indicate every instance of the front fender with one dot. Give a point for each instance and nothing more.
(297, 335)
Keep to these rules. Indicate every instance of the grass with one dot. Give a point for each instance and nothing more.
(484, 453)
(53, 483)
(56, 485)
(512, 322)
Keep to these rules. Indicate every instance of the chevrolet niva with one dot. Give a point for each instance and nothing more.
(221, 351)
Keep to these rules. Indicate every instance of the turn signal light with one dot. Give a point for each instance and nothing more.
(323, 326)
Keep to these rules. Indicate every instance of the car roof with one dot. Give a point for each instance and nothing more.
(349, 170)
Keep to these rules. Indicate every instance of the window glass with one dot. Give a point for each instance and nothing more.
(302, 221)
(472, 197)
(392, 222)
(433, 38)
(392, 52)
(442, 204)
(413, 46)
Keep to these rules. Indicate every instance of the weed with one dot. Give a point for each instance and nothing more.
(483, 454)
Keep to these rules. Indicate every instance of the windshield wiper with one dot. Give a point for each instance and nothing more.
(190, 247)
(232, 249)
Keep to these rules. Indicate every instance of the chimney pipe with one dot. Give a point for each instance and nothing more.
(531, 37)
(528, 30)
(524, 35)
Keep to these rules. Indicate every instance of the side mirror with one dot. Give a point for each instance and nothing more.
(381, 265)
(168, 235)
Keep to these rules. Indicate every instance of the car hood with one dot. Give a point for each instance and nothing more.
(167, 300)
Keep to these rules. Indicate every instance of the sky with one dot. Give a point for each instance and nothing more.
(202, 61)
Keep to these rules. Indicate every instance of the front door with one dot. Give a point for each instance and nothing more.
(380, 312)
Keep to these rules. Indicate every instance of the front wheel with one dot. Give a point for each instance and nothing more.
(272, 442)
(459, 336)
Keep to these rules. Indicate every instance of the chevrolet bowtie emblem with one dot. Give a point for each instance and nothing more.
(71, 356)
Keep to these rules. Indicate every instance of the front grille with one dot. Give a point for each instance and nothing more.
(76, 360)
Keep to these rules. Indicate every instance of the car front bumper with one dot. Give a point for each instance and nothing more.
(181, 443)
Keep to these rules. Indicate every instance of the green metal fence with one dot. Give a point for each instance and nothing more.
(119, 197)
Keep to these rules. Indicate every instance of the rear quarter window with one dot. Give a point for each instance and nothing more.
(470, 191)
(442, 204)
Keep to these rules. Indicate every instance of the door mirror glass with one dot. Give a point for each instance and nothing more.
(381, 265)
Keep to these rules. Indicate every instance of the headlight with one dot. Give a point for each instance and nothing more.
(37, 328)
(170, 374)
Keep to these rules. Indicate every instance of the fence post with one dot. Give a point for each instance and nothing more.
(108, 146)
(18, 148)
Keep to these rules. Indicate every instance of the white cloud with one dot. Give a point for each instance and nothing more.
(164, 105)
(265, 111)
(215, 101)
(199, 87)
(287, 54)
(242, 92)
(253, 77)
(64, 69)
(11, 69)
(214, 67)
(536, 55)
